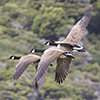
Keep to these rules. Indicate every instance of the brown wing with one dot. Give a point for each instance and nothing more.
(47, 58)
(78, 30)
(23, 64)
(62, 69)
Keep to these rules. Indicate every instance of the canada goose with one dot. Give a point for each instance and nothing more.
(72, 40)
(50, 55)
(23, 63)
(68, 45)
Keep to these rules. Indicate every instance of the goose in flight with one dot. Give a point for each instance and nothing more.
(24, 62)
(71, 42)
(68, 45)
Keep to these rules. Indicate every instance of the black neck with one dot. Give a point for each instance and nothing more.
(38, 50)
(16, 58)
(54, 44)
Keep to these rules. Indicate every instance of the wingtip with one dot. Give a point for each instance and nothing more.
(15, 77)
(36, 86)
(89, 12)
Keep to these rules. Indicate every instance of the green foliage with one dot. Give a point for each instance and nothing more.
(94, 68)
(45, 25)
(71, 21)
(5, 75)
(4, 20)
(37, 23)
(11, 32)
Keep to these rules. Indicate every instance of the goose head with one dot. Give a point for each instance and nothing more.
(50, 42)
(11, 57)
(14, 57)
(33, 50)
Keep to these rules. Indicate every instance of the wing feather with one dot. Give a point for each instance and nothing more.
(62, 69)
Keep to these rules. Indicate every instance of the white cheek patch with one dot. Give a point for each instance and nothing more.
(33, 51)
(12, 57)
(58, 46)
(48, 43)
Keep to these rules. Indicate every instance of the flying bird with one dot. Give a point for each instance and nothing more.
(71, 42)
(65, 47)
(23, 63)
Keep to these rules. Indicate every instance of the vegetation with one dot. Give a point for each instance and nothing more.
(24, 24)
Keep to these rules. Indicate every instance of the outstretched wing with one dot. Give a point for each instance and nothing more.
(78, 30)
(23, 64)
(62, 69)
(47, 58)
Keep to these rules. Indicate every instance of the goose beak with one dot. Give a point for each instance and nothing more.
(8, 58)
(44, 43)
(47, 43)
(30, 51)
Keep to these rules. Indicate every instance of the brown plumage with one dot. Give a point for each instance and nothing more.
(62, 69)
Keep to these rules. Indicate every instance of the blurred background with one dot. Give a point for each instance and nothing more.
(25, 24)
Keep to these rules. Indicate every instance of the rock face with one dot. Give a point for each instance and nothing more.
(16, 25)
